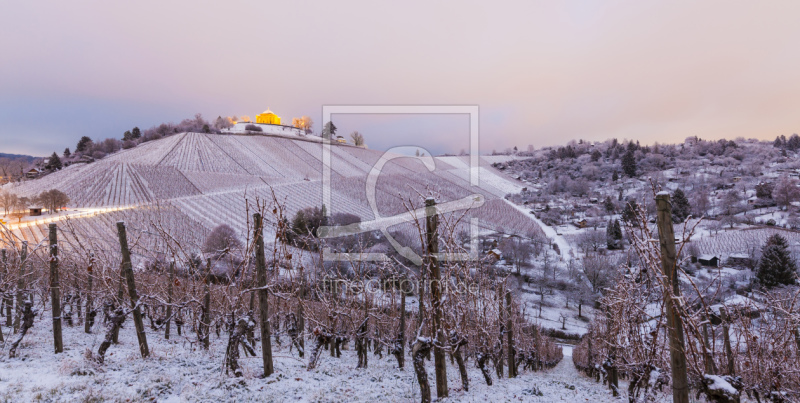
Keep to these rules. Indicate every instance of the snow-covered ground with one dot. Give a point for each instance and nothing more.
(178, 371)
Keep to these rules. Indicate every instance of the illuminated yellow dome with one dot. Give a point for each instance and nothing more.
(268, 118)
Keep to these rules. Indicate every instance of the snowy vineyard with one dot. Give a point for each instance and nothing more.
(284, 311)
(747, 242)
(208, 177)
(254, 309)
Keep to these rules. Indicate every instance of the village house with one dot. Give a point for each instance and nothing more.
(33, 173)
(581, 223)
(706, 260)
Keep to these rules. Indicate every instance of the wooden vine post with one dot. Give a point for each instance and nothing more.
(432, 245)
(205, 317)
(127, 269)
(499, 361)
(512, 367)
(301, 321)
(401, 334)
(89, 322)
(23, 260)
(263, 295)
(7, 298)
(55, 290)
(169, 298)
(120, 296)
(3, 294)
(672, 293)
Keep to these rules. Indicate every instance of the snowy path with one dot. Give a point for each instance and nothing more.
(562, 383)
(550, 232)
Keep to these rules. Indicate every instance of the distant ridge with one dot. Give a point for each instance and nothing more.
(26, 158)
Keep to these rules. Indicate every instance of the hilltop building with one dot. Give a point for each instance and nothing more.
(268, 118)
(267, 122)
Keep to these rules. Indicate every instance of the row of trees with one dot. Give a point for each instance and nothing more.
(329, 132)
(52, 200)
(87, 147)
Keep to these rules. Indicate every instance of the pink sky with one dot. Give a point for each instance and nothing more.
(542, 72)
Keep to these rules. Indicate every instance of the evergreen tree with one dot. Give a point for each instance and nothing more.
(329, 130)
(613, 235)
(764, 190)
(67, 153)
(680, 206)
(324, 212)
(614, 177)
(608, 204)
(54, 162)
(83, 144)
(629, 163)
(136, 133)
(776, 266)
(793, 143)
(631, 212)
(596, 155)
(127, 136)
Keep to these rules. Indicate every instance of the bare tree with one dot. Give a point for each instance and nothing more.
(700, 201)
(591, 240)
(8, 201)
(358, 138)
(786, 191)
(598, 270)
(517, 250)
(221, 240)
(53, 200)
(306, 124)
(11, 169)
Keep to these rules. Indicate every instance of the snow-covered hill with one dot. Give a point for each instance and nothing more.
(204, 179)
